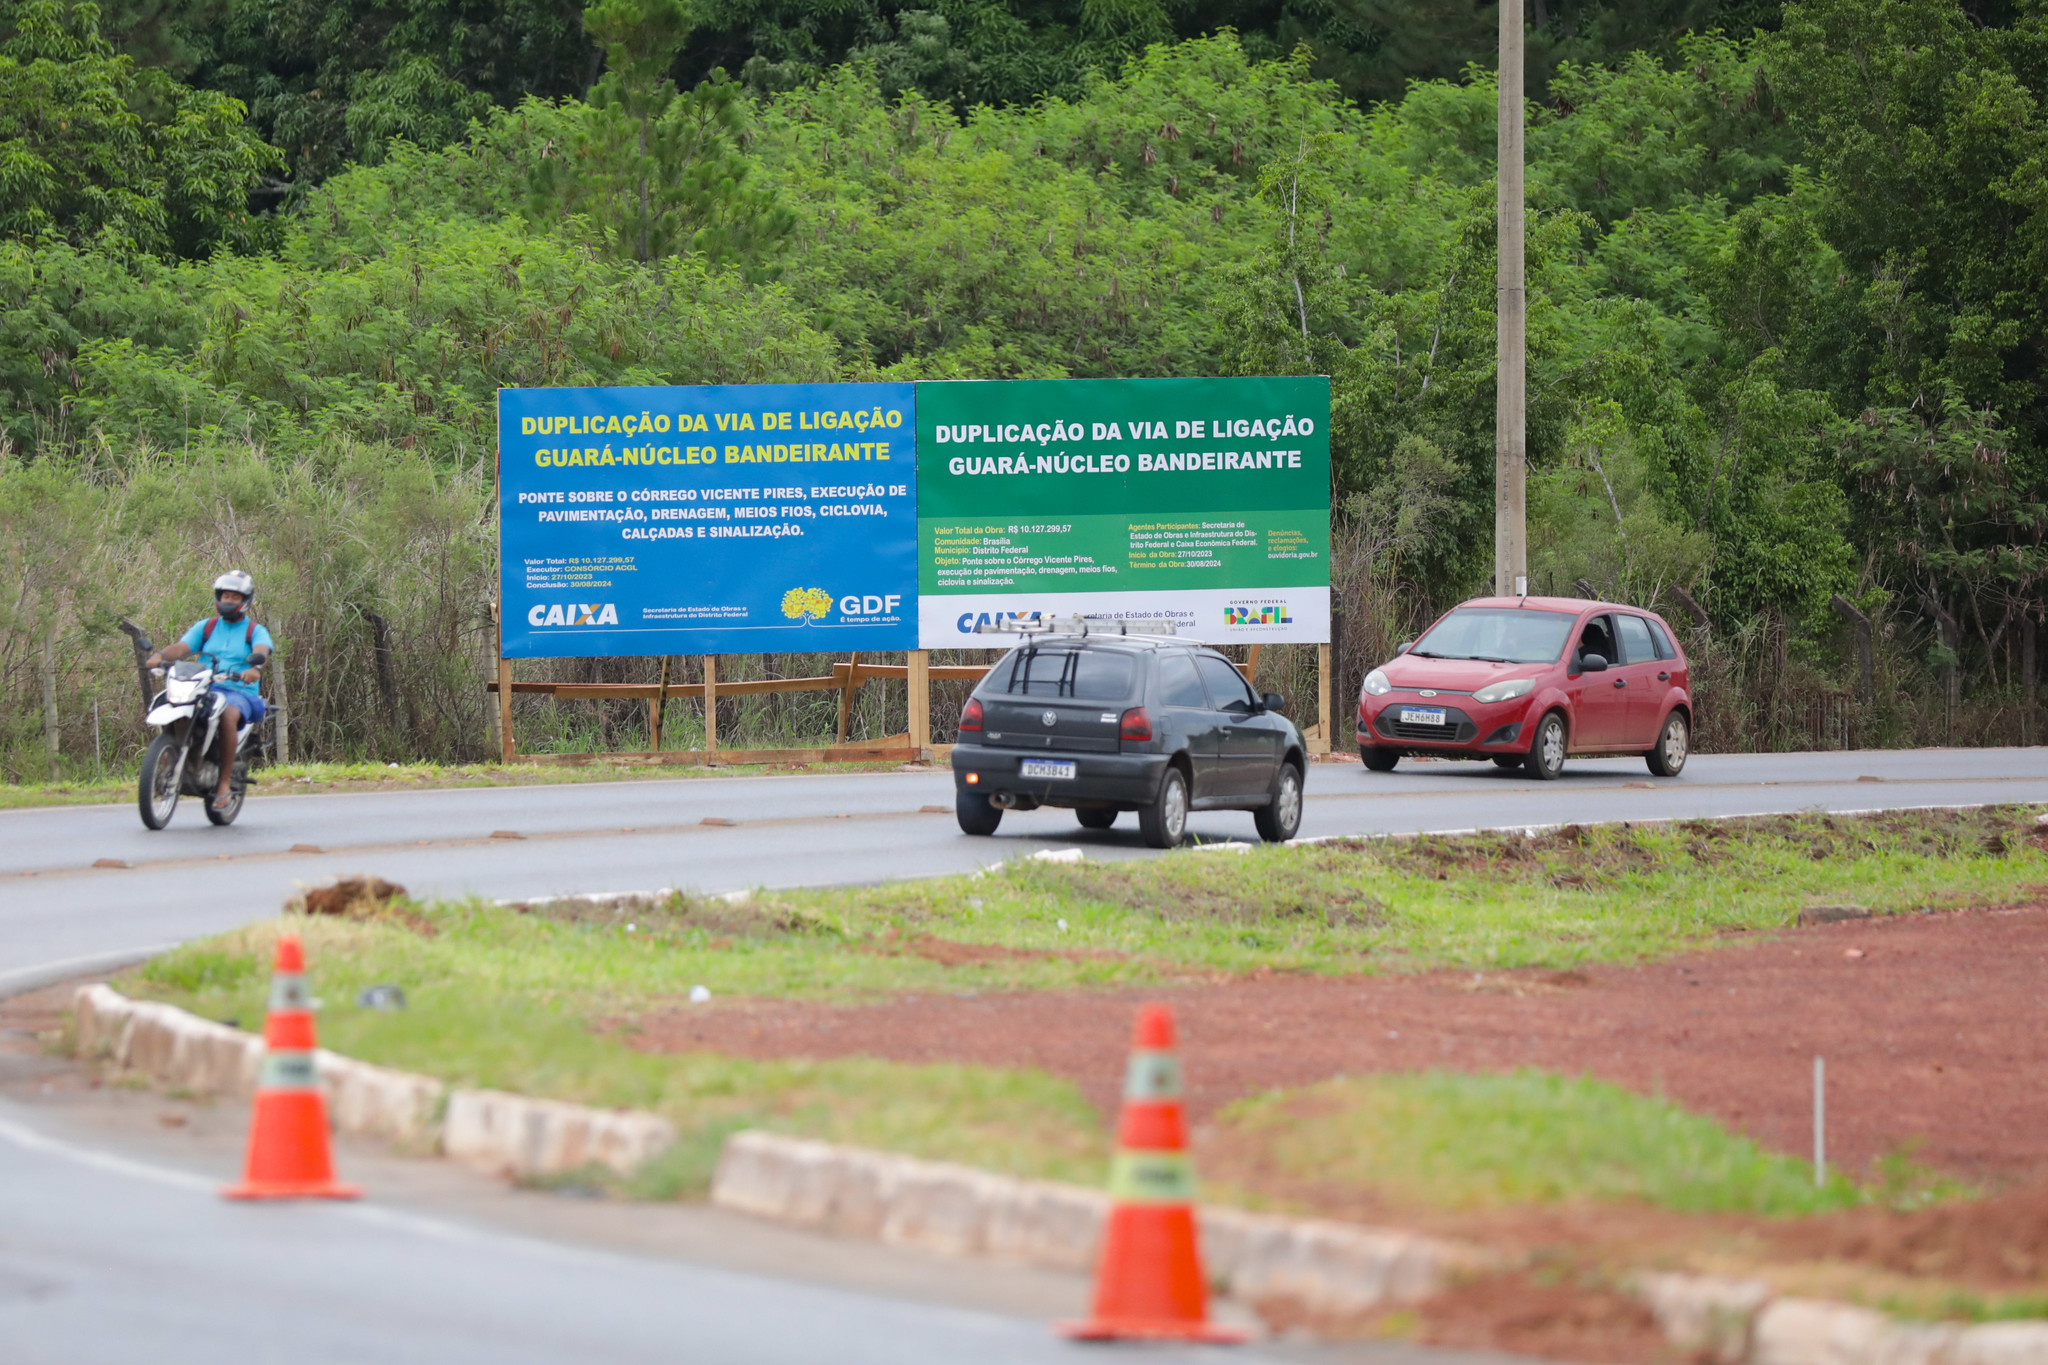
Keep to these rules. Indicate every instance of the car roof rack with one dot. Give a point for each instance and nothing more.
(1076, 625)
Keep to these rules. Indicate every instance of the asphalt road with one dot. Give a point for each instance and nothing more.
(109, 1253)
(59, 912)
(105, 1258)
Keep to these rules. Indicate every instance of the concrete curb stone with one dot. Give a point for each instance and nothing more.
(513, 1135)
(503, 1133)
(1706, 1315)
(1325, 1272)
(1796, 1331)
(377, 1102)
(2001, 1343)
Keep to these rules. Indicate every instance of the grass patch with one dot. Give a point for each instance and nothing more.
(1453, 1141)
(516, 1003)
(288, 778)
(1961, 1306)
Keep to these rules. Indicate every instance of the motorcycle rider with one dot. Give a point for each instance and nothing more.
(241, 648)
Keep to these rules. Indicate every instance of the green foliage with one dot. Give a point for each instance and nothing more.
(376, 328)
(1450, 1141)
(1785, 334)
(79, 163)
(656, 171)
(1929, 129)
(968, 52)
(331, 83)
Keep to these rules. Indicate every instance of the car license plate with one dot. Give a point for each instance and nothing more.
(1047, 767)
(1424, 715)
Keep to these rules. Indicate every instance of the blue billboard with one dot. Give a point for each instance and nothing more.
(718, 519)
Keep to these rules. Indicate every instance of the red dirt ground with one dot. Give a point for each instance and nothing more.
(1935, 1030)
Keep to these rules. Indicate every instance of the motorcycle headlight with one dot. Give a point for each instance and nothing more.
(1376, 683)
(1505, 691)
(180, 690)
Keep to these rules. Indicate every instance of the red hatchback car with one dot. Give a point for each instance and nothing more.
(1525, 681)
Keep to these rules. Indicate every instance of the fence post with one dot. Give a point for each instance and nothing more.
(284, 718)
(710, 705)
(50, 734)
(505, 746)
(657, 710)
(1327, 742)
(846, 697)
(1692, 608)
(1866, 665)
(2030, 683)
(920, 705)
(1951, 638)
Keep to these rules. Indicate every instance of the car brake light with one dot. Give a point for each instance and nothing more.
(1136, 724)
(970, 715)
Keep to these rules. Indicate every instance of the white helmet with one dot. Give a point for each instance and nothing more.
(234, 580)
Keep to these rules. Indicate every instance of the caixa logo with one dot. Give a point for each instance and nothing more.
(968, 621)
(572, 614)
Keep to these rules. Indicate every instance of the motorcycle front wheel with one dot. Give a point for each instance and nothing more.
(157, 792)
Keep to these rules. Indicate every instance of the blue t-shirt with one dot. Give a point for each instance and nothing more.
(231, 645)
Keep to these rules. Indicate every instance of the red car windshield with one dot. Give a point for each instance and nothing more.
(1500, 635)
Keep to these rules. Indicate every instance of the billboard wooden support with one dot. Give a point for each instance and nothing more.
(1321, 745)
(657, 710)
(504, 689)
(710, 704)
(914, 745)
(918, 674)
(846, 699)
(920, 685)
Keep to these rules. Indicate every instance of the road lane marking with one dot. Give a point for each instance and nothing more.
(21, 1135)
(1320, 797)
(23, 979)
(29, 1139)
(61, 870)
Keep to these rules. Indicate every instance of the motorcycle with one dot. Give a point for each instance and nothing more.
(183, 757)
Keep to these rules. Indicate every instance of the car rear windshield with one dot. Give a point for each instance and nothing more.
(1504, 635)
(1083, 674)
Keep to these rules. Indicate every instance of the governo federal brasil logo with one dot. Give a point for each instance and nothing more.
(1246, 614)
(805, 605)
(572, 614)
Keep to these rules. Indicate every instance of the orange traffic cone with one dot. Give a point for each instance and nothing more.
(1149, 1282)
(288, 1153)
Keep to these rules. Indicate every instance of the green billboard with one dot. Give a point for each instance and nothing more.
(1201, 502)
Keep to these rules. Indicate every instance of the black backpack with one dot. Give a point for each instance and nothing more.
(206, 632)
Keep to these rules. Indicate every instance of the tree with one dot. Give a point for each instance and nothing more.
(79, 162)
(331, 83)
(657, 171)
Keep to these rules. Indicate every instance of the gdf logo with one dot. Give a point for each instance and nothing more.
(869, 604)
(572, 614)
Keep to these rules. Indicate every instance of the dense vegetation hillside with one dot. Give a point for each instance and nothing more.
(264, 265)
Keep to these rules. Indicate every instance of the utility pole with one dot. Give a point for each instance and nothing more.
(1511, 384)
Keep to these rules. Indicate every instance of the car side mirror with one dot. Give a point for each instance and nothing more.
(1404, 646)
(1592, 663)
(1275, 703)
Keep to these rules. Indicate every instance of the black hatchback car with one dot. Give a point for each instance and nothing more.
(1100, 722)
